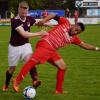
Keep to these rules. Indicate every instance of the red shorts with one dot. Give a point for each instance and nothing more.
(44, 52)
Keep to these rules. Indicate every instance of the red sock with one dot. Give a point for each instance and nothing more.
(60, 80)
(25, 69)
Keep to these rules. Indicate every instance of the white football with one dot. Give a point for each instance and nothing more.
(29, 92)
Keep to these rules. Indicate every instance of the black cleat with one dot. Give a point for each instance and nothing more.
(36, 83)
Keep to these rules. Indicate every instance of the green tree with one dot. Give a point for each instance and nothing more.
(43, 4)
(13, 5)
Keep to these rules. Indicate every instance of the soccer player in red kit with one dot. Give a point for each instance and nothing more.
(76, 15)
(61, 35)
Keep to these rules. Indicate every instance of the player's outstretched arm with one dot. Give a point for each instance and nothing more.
(27, 34)
(48, 25)
(49, 17)
(89, 47)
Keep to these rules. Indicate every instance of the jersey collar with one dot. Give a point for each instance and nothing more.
(21, 19)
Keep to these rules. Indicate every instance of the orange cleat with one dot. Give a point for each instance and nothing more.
(60, 92)
(36, 83)
(15, 85)
(5, 88)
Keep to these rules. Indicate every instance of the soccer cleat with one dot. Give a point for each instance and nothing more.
(5, 88)
(60, 92)
(36, 83)
(15, 85)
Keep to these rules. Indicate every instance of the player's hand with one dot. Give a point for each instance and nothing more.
(40, 23)
(43, 32)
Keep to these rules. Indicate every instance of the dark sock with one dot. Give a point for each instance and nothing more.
(8, 77)
(34, 74)
(24, 71)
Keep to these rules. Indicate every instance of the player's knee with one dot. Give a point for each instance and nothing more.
(12, 69)
(27, 58)
(63, 67)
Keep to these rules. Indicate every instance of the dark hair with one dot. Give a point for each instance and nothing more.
(81, 26)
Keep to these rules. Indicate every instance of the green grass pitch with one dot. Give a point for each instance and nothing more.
(82, 81)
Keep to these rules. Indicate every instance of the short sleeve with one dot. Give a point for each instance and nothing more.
(15, 23)
(32, 20)
(76, 40)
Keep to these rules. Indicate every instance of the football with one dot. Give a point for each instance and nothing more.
(29, 92)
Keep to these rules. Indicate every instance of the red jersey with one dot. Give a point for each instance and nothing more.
(59, 36)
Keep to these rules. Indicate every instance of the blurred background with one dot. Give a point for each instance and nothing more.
(88, 10)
